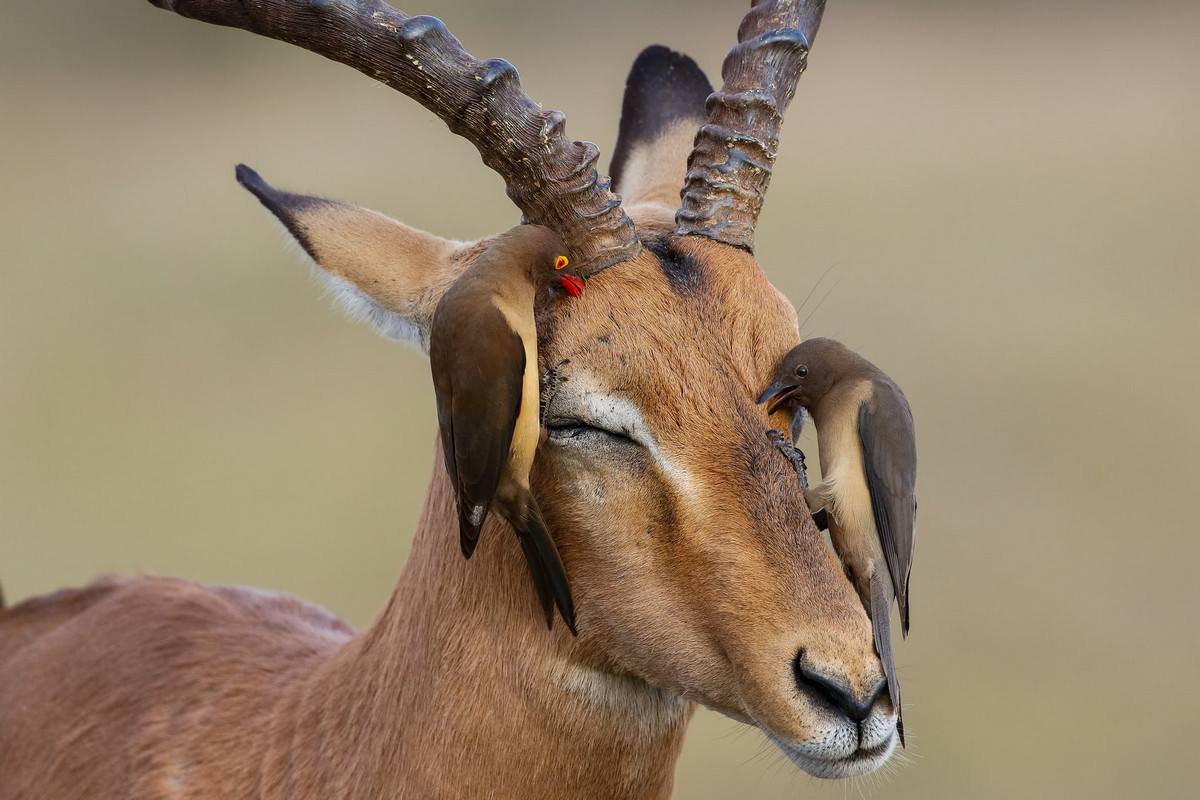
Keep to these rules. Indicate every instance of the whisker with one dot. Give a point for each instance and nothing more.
(818, 306)
(808, 297)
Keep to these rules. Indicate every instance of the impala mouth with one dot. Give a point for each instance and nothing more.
(776, 395)
(861, 761)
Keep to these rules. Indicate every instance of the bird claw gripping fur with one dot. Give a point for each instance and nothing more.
(792, 453)
(550, 383)
(796, 456)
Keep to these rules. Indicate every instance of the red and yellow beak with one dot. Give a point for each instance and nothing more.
(572, 284)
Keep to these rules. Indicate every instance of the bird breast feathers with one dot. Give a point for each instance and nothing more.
(525, 435)
(842, 462)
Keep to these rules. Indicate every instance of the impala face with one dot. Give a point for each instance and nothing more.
(692, 557)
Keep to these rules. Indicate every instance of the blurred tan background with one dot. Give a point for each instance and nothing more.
(1007, 192)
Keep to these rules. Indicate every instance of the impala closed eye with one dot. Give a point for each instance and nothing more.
(565, 431)
(584, 417)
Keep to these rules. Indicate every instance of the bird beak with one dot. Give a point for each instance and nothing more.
(775, 395)
(572, 284)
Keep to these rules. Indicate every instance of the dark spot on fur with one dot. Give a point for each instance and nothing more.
(682, 270)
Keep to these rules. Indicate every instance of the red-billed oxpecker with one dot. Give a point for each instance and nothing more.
(483, 353)
(869, 471)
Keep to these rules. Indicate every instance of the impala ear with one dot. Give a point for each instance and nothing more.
(662, 109)
(378, 269)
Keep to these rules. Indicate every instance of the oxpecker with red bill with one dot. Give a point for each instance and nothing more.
(483, 354)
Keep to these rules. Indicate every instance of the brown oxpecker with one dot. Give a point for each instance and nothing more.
(869, 471)
(483, 354)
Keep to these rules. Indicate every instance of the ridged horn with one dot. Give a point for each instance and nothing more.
(553, 180)
(730, 166)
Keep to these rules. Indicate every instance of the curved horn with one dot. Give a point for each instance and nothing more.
(552, 180)
(730, 165)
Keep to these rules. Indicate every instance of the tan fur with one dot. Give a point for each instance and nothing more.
(651, 185)
(403, 269)
(358, 247)
(697, 572)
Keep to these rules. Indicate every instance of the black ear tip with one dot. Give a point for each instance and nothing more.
(662, 74)
(286, 207)
(658, 59)
(654, 54)
(250, 179)
(281, 204)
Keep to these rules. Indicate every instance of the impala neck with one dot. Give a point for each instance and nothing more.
(458, 690)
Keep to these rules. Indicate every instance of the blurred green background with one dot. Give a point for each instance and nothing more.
(1007, 193)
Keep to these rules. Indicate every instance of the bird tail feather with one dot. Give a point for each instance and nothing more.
(545, 566)
(881, 623)
(470, 520)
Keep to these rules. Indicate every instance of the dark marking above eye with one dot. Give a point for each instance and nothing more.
(683, 271)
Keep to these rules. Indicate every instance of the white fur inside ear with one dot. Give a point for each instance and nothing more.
(357, 304)
(361, 306)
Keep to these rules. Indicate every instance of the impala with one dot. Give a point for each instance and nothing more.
(697, 573)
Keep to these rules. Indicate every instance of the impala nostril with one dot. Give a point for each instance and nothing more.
(834, 692)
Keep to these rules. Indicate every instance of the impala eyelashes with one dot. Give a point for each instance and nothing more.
(577, 431)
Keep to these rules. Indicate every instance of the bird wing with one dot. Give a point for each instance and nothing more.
(478, 383)
(881, 626)
(889, 447)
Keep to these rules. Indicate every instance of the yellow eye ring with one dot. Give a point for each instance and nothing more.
(560, 262)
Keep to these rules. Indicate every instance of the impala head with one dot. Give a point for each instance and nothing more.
(693, 559)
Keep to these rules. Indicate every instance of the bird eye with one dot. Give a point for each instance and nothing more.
(560, 262)
(801, 371)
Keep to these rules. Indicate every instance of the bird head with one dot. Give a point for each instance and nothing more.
(572, 284)
(805, 374)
